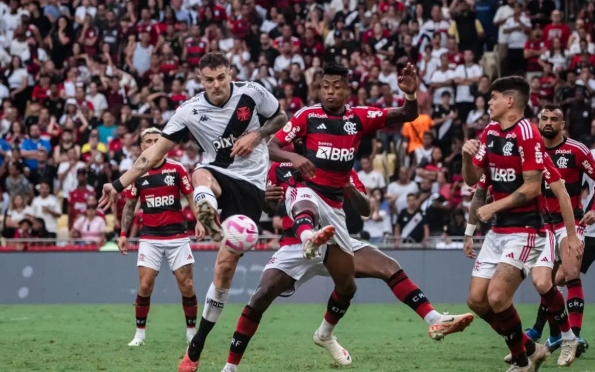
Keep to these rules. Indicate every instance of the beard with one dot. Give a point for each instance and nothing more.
(550, 134)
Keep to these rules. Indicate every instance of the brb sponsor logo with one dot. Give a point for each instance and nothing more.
(503, 174)
(335, 154)
(224, 142)
(160, 201)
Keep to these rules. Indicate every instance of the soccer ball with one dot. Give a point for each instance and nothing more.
(240, 234)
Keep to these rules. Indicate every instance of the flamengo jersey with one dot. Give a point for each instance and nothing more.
(505, 155)
(217, 128)
(589, 202)
(331, 143)
(159, 192)
(573, 161)
(281, 174)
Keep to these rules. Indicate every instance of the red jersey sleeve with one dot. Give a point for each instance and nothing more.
(131, 192)
(355, 181)
(295, 128)
(272, 176)
(587, 161)
(483, 183)
(481, 159)
(550, 173)
(372, 118)
(185, 185)
(531, 147)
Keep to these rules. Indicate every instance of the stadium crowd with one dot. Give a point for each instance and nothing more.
(79, 80)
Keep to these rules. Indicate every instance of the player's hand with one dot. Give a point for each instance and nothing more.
(408, 80)
(471, 147)
(468, 248)
(575, 247)
(123, 245)
(588, 218)
(108, 198)
(245, 144)
(199, 231)
(273, 194)
(485, 213)
(304, 165)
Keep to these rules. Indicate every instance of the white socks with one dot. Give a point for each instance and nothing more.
(203, 192)
(325, 330)
(230, 367)
(569, 335)
(214, 303)
(432, 317)
(140, 333)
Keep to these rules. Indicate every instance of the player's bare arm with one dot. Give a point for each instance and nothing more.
(199, 230)
(478, 201)
(359, 201)
(272, 196)
(529, 190)
(471, 172)
(408, 83)
(127, 218)
(246, 144)
(575, 245)
(147, 160)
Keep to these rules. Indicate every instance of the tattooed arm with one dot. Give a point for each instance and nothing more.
(273, 125)
(400, 115)
(147, 160)
(529, 190)
(128, 215)
(478, 201)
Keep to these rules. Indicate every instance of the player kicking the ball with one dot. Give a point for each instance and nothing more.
(230, 121)
(164, 233)
(511, 154)
(574, 162)
(288, 269)
(332, 133)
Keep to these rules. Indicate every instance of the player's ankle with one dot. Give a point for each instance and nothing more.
(204, 193)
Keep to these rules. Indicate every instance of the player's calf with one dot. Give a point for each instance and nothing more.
(206, 192)
(552, 299)
(142, 304)
(184, 278)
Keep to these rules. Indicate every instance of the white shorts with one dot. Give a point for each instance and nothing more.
(327, 215)
(291, 261)
(561, 233)
(177, 251)
(521, 250)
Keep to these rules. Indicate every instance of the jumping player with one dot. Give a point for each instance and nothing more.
(164, 233)
(541, 273)
(288, 269)
(574, 162)
(332, 133)
(230, 121)
(511, 153)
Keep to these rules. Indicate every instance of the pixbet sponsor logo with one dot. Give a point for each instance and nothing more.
(224, 142)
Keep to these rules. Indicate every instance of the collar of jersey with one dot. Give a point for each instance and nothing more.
(557, 146)
(332, 114)
(224, 103)
(512, 126)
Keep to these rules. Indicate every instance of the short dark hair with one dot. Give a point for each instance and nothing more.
(553, 107)
(411, 194)
(513, 84)
(213, 60)
(335, 69)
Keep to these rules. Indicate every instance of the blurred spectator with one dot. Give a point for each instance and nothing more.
(90, 227)
(398, 190)
(379, 223)
(371, 178)
(17, 212)
(47, 207)
(77, 197)
(411, 223)
(16, 182)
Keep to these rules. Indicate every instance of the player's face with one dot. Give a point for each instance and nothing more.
(217, 84)
(333, 92)
(550, 123)
(149, 140)
(498, 105)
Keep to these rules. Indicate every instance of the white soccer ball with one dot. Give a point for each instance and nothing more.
(240, 234)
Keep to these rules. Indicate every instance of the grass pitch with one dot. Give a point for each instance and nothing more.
(381, 338)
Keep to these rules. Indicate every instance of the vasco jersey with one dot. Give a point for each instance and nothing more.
(159, 192)
(331, 143)
(281, 174)
(505, 155)
(589, 202)
(217, 128)
(573, 161)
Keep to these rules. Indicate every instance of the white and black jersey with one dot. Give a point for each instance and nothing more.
(588, 202)
(216, 128)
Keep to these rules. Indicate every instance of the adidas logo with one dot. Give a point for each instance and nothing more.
(544, 259)
(321, 126)
(510, 255)
(189, 257)
(146, 183)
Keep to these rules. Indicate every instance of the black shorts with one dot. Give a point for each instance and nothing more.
(238, 197)
(589, 255)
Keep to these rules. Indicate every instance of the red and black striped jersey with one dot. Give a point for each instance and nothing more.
(159, 192)
(505, 154)
(281, 174)
(573, 160)
(550, 175)
(331, 143)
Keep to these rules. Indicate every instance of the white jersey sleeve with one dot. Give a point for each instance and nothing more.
(267, 105)
(176, 129)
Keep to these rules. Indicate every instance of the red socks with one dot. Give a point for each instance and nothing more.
(142, 307)
(190, 306)
(409, 294)
(245, 329)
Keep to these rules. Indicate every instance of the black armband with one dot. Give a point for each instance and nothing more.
(117, 184)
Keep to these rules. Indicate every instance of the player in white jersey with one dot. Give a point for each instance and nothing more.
(230, 121)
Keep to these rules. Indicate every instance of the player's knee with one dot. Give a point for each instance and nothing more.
(186, 286)
(542, 283)
(478, 303)
(202, 177)
(305, 206)
(499, 300)
(145, 288)
(570, 273)
(263, 297)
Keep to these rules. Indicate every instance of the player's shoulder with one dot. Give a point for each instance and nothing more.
(310, 111)
(526, 130)
(173, 164)
(577, 146)
(191, 103)
(247, 87)
(368, 112)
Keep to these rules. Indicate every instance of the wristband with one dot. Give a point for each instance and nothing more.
(123, 234)
(411, 97)
(470, 230)
(117, 184)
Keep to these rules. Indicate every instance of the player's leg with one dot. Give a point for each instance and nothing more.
(148, 262)
(571, 267)
(206, 192)
(372, 263)
(181, 262)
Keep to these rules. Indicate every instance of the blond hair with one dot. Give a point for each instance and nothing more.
(147, 131)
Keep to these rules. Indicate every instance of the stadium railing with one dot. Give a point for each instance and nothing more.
(266, 242)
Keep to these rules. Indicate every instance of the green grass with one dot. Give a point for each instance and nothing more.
(381, 338)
